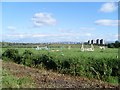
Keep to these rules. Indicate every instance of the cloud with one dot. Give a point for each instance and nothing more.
(61, 30)
(42, 19)
(38, 37)
(117, 35)
(17, 35)
(88, 34)
(108, 7)
(11, 28)
(113, 36)
(86, 28)
(41, 35)
(107, 22)
(24, 35)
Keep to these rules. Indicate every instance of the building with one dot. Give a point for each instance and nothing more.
(102, 42)
(92, 41)
(97, 41)
(89, 41)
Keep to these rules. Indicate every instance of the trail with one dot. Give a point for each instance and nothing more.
(49, 79)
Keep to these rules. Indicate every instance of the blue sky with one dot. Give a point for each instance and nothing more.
(53, 22)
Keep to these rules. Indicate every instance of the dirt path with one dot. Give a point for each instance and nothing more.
(49, 79)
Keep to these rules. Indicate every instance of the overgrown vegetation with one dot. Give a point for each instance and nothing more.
(99, 65)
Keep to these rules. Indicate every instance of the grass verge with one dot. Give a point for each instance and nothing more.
(10, 81)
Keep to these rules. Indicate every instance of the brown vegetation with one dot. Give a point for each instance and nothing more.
(48, 79)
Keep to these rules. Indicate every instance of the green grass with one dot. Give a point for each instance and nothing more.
(74, 52)
(97, 64)
(10, 81)
(0, 77)
(113, 80)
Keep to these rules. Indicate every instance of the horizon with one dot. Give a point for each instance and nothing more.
(106, 42)
(35, 22)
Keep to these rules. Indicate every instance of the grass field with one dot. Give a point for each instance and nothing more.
(73, 52)
(102, 65)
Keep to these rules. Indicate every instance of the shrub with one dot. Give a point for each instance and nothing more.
(65, 64)
(11, 54)
(51, 65)
(27, 58)
(37, 60)
(48, 62)
(18, 59)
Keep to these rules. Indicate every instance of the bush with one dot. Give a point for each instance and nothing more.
(18, 59)
(51, 65)
(27, 58)
(48, 62)
(12, 54)
(66, 64)
(37, 60)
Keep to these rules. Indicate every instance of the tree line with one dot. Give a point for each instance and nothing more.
(116, 44)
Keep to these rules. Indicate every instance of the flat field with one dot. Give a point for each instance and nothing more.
(100, 64)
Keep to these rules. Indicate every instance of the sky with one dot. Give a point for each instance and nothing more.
(37, 22)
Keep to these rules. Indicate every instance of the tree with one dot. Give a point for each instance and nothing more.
(111, 45)
(117, 44)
